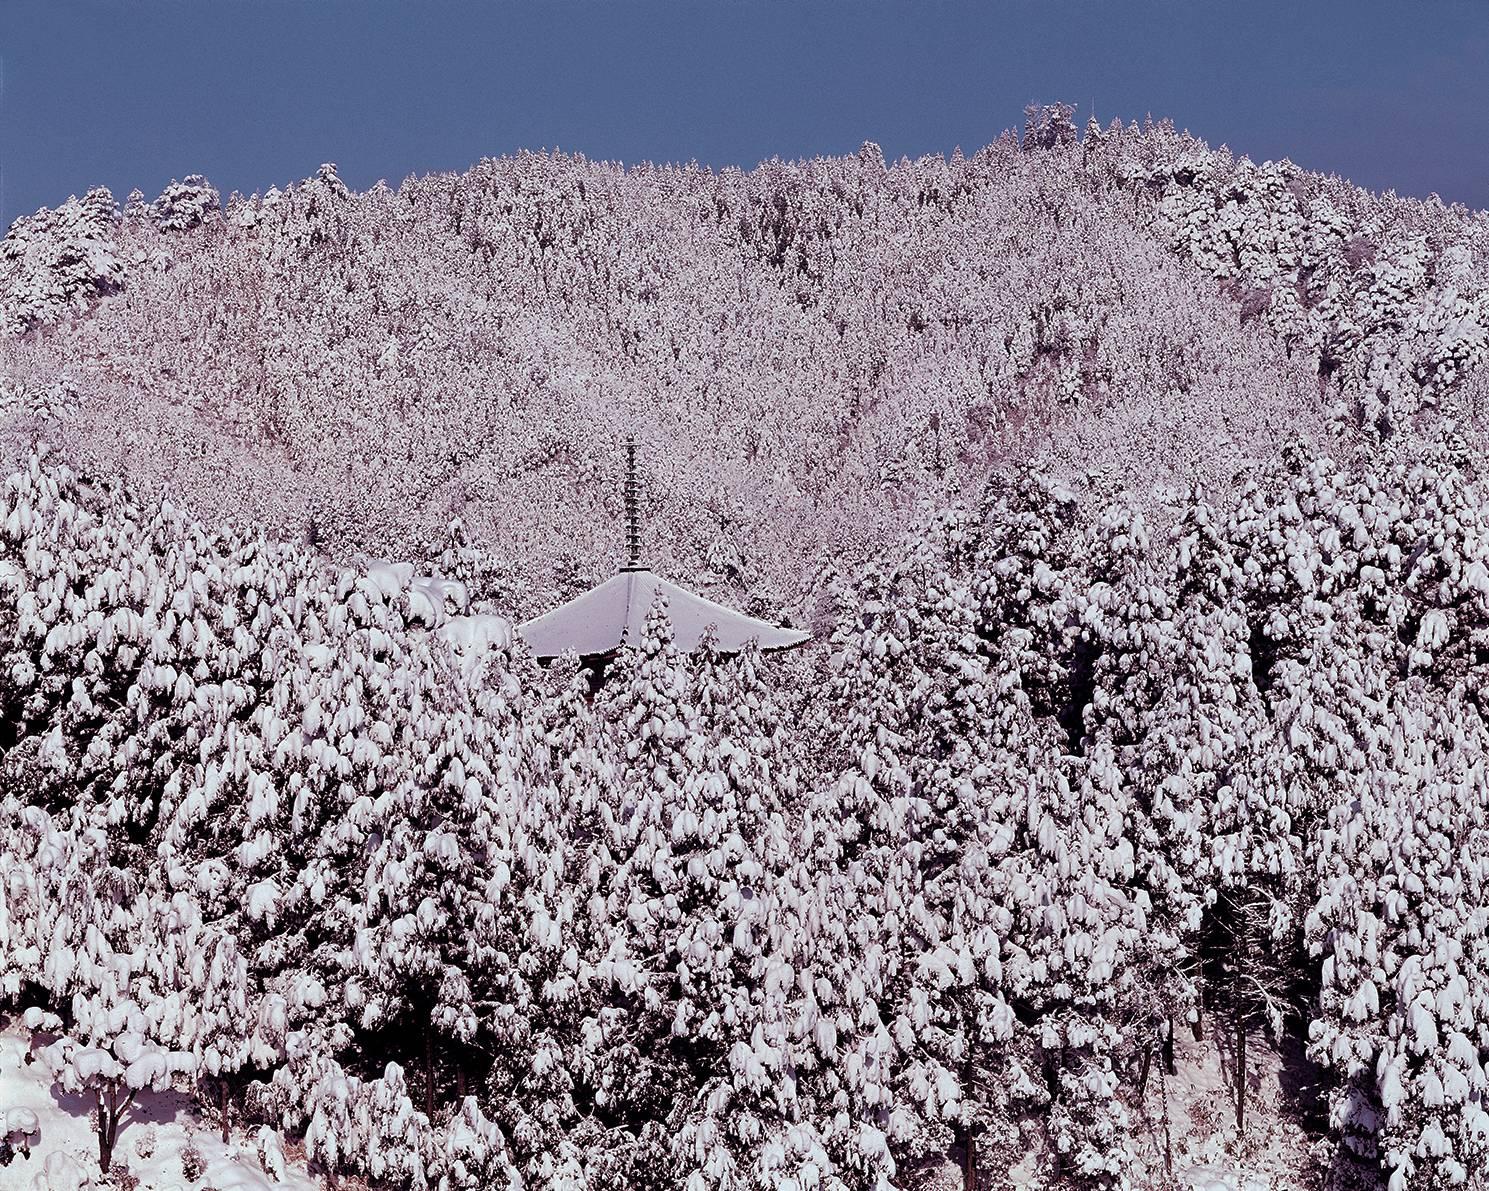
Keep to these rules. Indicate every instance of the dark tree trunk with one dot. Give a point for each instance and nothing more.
(222, 1091)
(1169, 1066)
(1168, 1144)
(1240, 1072)
(105, 1138)
(110, 1112)
(429, 1071)
(1239, 1011)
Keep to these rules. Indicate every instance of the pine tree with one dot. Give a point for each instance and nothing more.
(112, 1047)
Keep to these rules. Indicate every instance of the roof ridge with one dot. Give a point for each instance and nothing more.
(587, 620)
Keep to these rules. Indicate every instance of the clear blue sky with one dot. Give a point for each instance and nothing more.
(253, 93)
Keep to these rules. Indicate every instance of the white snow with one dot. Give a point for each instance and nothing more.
(263, 899)
(471, 636)
(610, 615)
(432, 599)
(1214, 1177)
(60, 1171)
(20, 1123)
(389, 578)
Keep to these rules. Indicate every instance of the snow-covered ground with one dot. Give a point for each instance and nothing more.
(61, 1151)
(1214, 1177)
(1206, 1151)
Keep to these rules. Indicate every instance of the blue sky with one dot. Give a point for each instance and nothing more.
(253, 93)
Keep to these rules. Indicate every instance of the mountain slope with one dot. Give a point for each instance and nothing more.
(806, 350)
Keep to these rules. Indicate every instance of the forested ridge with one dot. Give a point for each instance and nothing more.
(1131, 490)
(804, 351)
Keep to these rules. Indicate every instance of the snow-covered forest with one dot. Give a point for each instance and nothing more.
(1130, 489)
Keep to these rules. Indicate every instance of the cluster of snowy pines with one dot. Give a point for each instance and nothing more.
(1055, 787)
(804, 349)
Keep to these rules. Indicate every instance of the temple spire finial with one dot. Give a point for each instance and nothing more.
(633, 510)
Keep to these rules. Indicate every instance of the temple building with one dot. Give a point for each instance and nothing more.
(596, 624)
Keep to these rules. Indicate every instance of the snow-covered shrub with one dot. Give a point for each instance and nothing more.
(145, 1141)
(270, 1152)
(193, 1164)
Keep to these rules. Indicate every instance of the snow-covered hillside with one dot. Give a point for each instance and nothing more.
(805, 350)
(1125, 825)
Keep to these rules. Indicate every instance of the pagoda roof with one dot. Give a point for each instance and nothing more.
(606, 617)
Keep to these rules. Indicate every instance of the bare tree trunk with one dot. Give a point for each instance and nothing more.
(222, 1101)
(1239, 1010)
(429, 1071)
(1168, 1145)
(110, 1112)
(1240, 1072)
(105, 1141)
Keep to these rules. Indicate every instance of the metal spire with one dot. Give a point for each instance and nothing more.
(633, 509)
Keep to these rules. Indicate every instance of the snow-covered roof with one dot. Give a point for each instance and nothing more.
(602, 619)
